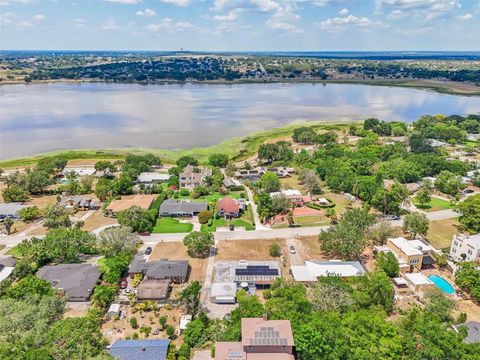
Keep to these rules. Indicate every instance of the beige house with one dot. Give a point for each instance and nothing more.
(409, 257)
(193, 176)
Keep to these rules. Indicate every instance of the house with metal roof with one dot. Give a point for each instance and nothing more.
(150, 178)
(77, 281)
(176, 208)
(314, 269)
(473, 331)
(7, 265)
(148, 349)
(11, 210)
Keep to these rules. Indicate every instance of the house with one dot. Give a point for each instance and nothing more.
(250, 175)
(192, 177)
(473, 137)
(247, 274)
(230, 208)
(173, 270)
(465, 247)
(152, 289)
(436, 143)
(349, 197)
(79, 171)
(176, 208)
(419, 283)
(281, 171)
(473, 331)
(293, 196)
(408, 256)
(150, 178)
(147, 349)
(7, 265)
(223, 292)
(228, 183)
(11, 210)
(314, 269)
(75, 202)
(142, 201)
(77, 281)
(262, 339)
(413, 187)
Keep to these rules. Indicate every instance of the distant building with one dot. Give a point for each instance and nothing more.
(408, 256)
(148, 349)
(79, 171)
(176, 208)
(262, 339)
(192, 177)
(150, 178)
(230, 208)
(142, 201)
(77, 281)
(76, 202)
(465, 247)
(11, 210)
(7, 265)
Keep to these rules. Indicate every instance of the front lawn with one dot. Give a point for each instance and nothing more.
(170, 225)
(13, 252)
(440, 232)
(435, 204)
(216, 223)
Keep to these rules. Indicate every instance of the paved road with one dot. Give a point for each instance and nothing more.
(442, 215)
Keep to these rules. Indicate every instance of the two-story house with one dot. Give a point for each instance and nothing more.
(465, 248)
(193, 176)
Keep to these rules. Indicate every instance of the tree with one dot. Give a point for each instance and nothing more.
(103, 165)
(103, 189)
(133, 322)
(170, 330)
(379, 233)
(370, 124)
(103, 295)
(162, 321)
(279, 204)
(311, 180)
(274, 250)
(199, 243)
(138, 219)
(183, 161)
(304, 135)
(28, 286)
(86, 182)
(15, 193)
(389, 201)
(8, 223)
(424, 195)
(30, 213)
(269, 182)
(469, 210)
(416, 224)
(56, 217)
(218, 160)
(37, 181)
(204, 216)
(388, 263)
(123, 186)
(378, 286)
(330, 293)
(467, 277)
(448, 182)
(116, 240)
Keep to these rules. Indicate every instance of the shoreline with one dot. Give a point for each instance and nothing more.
(237, 148)
(439, 86)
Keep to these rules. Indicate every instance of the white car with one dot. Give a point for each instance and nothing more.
(292, 249)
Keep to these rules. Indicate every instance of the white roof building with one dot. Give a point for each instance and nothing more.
(465, 248)
(286, 193)
(314, 269)
(302, 274)
(223, 292)
(152, 177)
(184, 321)
(405, 246)
(79, 171)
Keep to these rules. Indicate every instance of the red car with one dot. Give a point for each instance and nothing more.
(123, 283)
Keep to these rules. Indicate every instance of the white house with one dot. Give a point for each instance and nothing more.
(314, 269)
(465, 248)
(223, 292)
(149, 178)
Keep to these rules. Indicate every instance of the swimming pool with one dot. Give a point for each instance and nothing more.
(442, 284)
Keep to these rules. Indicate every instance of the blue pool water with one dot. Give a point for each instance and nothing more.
(442, 284)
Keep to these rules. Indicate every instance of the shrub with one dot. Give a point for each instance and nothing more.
(274, 250)
(134, 323)
(204, 216)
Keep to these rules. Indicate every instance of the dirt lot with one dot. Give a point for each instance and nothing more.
(250, 250)
(469, 307)
(97, 220)
(176, 251)
(42, 202)
(308, 248)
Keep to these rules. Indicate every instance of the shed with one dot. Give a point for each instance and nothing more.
(114, 310)
(184, 321)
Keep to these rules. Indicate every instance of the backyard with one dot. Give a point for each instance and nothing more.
(166, 225)
(440, 232)
(435, 204)
(214, 197)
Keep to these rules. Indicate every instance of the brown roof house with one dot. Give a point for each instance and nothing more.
(230, 208)
(262, 339)
(153, 290)
(142, 201)
(193, 176)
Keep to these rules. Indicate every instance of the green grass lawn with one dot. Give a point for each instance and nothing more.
(435, 204)
(213, 197)
(440, 232)
(306, 221)
(13, 252)
(170, 225)
(241, 222)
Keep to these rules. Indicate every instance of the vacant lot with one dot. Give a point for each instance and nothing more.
(176, 251)
(440, 232)
(170, 225)
(98, 220)
(435, 204)
(42, 202)
(254, 250)
(308, 248)
(292, 183)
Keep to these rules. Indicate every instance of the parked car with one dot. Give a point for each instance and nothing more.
(145, 233)
(123, 283)
(148, 250)
(468, 191)
(292, 249)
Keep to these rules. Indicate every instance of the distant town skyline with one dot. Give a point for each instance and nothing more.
(240, 25)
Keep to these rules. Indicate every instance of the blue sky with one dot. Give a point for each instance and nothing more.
(243, 25)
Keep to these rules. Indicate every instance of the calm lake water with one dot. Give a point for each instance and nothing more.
(45, 117)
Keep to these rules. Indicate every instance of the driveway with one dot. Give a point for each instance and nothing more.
(442, 215)
(294, 258)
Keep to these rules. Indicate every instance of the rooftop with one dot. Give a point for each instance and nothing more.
(153, 289)
(147, 177)
(176, 206)
(473, 331)
(143, 201)
(260, 332)
(339, 268)
(149, 349)
(405, 246)
(223, 289)
(417, 279)
(228, 205)
(11, 208)
(240, 271)
(301, 273)
(471, 240)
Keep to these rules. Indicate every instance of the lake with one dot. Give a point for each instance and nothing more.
(44, 117)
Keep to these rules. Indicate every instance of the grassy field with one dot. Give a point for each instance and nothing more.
(237, 149)
(248, 249)
(213, 197)
(170, 225)
(441, 232)
(435, 204)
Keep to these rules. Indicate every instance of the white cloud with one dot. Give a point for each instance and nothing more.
(8, 2)
(230, 16)
(426, 9)
(339, 24)
(110, 24)
(176, 2)
(129, 2)
(245, 5)
(279, 25)
(39, 17)
(79, 24)
(169, 25)
(25, 24)
(466, 16)
(396, 14)
(146, 12)
(343, 12)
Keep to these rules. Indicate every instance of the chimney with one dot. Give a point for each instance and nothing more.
(265, 317)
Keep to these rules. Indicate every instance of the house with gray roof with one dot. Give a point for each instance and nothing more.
(148, 349)
(473, 331)
(77, 281)
(174, 270)
(11, 210)
(176, 208)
